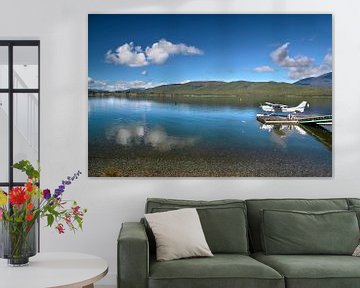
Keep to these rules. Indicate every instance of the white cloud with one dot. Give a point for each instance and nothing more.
(158, 53)
(328, 59)
(120, 85)
(263, 69)
(95, 84)
(127, 54)
(281, 57)
(300, 66)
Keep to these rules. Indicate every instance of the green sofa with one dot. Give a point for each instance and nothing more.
(233, 230)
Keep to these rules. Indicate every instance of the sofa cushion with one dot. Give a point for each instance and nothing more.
(297, 232)
(255, 206)
(222, 270)
(356, 209)
(223, 221)
(354, 205)
(313, 271)
(178, 234)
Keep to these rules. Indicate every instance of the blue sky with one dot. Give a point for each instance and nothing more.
(127, 51)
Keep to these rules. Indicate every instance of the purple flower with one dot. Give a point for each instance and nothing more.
(58, 192)
(64, 183)
(46, 194)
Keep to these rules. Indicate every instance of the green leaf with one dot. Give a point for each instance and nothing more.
(26, 167)
(79, 221)
(50, 219)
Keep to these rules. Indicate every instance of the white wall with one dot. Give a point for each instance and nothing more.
(61, 25)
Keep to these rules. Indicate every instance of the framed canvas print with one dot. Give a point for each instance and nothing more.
(210, 95)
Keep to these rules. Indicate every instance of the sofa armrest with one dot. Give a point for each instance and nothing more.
(133, 256)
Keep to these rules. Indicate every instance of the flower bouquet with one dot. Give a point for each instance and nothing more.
(21, 208)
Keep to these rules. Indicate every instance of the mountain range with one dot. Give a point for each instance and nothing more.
(324, 80)
(314, 86)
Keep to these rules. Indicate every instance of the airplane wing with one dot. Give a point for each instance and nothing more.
(270, 104)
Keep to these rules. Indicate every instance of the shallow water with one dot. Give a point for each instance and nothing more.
(148, 138)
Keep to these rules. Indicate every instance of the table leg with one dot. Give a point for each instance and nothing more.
(89, 286)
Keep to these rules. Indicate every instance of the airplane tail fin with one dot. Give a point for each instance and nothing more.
(301, 106)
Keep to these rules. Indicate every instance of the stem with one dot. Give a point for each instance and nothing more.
(18, 239)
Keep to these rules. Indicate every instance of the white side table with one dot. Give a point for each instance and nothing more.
(50, 270)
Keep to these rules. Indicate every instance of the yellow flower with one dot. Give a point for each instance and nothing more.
(3, 198)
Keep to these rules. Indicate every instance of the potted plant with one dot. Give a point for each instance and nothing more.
(21, 208)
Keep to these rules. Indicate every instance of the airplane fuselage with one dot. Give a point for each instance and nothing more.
(270, 107)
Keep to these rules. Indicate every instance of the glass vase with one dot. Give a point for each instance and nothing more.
(18, 242)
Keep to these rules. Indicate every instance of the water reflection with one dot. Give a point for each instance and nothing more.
(113, 103)
(147, 138)
(279, 132)
(139, 135)
(282, 130)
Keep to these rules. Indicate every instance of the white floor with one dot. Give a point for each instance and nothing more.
(104, 286)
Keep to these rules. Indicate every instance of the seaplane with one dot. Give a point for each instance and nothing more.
(273, 107)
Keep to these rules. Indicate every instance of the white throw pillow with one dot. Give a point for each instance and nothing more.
(178, 234)
(357, 251)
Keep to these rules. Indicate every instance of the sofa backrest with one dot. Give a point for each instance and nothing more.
(223, 221)
(256, 205)
(353, 202)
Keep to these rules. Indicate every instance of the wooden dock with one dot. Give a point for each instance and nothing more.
(312, 124)
(295, 119)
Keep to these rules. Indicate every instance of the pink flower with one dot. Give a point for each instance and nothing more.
(1, 213)
(76, 210)
(68, 219)
(60, 228)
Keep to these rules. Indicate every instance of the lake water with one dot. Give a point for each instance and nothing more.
(148, 138)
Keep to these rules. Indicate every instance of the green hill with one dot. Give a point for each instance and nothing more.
(225, 92)
(237, 88)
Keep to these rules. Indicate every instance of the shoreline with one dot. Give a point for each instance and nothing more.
(234, 100)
